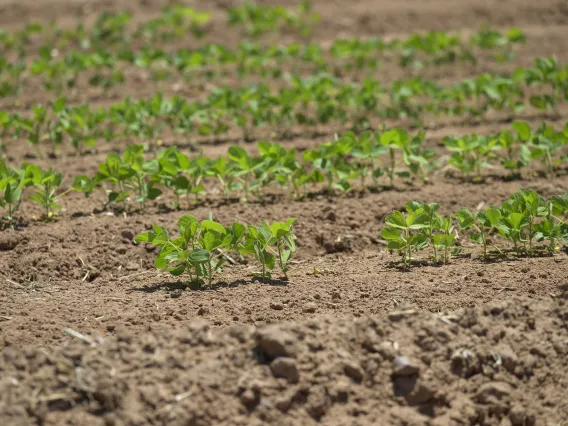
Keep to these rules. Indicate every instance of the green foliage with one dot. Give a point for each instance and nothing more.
(46, 184)
(525, 217)
(125, 174)
(202, 247)
(12, 184)
(259, 19)
(404, 231)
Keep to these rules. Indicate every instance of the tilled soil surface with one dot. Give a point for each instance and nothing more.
(91, 334)
(503, 363)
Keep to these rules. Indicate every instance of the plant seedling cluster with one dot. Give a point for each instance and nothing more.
(202, 247)
(44, 184)
(308, 102)
(524, 220)
(365, 160)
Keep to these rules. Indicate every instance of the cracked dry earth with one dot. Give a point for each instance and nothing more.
(90, 334)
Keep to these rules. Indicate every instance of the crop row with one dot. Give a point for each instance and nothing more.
(320, 100)
(176, 22)
(529, 222)
(366, 158)
(103, 67)
(202, 247)
(524, 220)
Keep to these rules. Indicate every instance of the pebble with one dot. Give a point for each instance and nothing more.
(403, 366)
(204, 310)
(353, 371)
(285, 368)
(129, 235)
(277, 306)
(275, 342)
(309, 308)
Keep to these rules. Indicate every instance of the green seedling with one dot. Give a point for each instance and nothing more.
(445, 241)
(198, 251)
(12, 184)
(531, 206)
(246, 168)
(260, 241)
(46, 184)
(285, 242)
(404, 232)
(483, 222)
(555, 225)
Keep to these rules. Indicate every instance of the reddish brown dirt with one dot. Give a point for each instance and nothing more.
(487, 342)
(503, 363)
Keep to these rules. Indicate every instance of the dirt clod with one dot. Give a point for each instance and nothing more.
(277, 306)
(273, 341)
(492, 392)
(285, 368)
(309, 308)
(403, 366)
(353, 371)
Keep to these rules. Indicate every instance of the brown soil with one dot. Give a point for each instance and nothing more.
(502, 363)
(486, 343)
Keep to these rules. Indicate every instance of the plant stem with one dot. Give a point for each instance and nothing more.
(209, 270)
(391, 173)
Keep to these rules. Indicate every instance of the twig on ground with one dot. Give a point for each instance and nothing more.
(80, 336)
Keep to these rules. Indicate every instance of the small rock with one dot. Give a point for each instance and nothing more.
(353, 370)
(519, 416)
(340, 391)
(403, 366)
(277, 306)
(275, 342)
(310, 308)
(489, 392)
(465, 363)
(387, 350)
(249, 399)
(204, 310)
(285, 368)
(127, 235)
(398, 315)
(283, 403)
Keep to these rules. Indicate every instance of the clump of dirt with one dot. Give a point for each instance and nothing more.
(504, 363)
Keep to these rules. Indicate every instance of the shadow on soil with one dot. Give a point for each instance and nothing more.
(179, 286)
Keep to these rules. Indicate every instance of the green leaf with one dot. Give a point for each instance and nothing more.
(418, 220)
(493, 215)
(523, 129)
(209, 241)
(465, 218)
(145, 237)
(178, 270)
(392, 234)
(213, 226)
(396, 219)
(198, 256)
